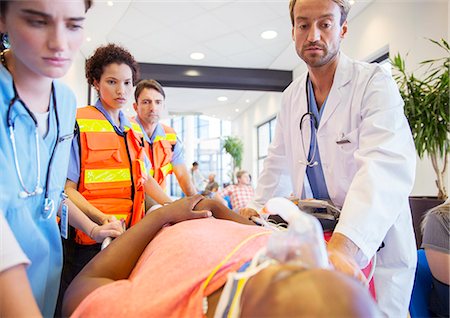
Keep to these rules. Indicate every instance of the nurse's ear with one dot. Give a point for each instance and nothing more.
(96, 85)
(343, 30)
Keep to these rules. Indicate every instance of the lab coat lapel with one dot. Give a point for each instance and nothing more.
(342, 76)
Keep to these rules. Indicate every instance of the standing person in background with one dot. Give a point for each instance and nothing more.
(37, 120)
(342, 135)
(108, 169)
(165, 150)
(197, 177)
(240, 194)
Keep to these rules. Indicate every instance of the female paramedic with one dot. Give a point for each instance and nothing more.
(108, 170)
(37, 120)
(211, 274)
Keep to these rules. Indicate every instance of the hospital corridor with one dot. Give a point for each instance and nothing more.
(224, 158)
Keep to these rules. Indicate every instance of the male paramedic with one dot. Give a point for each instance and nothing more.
(164, 149)
(342, 136)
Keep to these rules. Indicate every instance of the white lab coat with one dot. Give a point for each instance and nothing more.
(370, 177)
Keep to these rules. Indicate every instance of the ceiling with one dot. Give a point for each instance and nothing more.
(226, 31)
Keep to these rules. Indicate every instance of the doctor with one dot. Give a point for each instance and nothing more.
(342, 135)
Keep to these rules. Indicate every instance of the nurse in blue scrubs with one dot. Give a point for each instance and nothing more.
(37, 116)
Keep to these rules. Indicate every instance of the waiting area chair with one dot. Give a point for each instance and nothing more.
(418, 306)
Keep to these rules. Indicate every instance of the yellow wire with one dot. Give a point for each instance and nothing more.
(216, 269)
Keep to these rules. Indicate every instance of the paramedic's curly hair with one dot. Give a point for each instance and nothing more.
(106, 55)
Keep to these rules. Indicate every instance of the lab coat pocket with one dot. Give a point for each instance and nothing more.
(102, 147)
(347, 143)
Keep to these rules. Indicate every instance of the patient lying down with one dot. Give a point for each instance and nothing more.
(180, 271)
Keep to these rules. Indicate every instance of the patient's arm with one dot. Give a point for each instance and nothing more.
(118, 260)
(220, 211)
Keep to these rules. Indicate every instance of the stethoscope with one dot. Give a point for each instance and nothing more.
(49, 204)
(313, 120)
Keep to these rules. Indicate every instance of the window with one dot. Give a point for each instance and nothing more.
(265, 132)
(209, 133)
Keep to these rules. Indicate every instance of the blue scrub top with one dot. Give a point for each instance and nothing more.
(177, 157)
(73, 173)
(315, 174)
(38, 237)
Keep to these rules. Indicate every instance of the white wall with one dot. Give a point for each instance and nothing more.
(76, 80)
(245, 125)
(399, 25)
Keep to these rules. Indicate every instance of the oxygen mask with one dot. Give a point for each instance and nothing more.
(302, 244)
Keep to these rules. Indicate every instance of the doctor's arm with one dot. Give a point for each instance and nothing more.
(385, 166)
(16, 297)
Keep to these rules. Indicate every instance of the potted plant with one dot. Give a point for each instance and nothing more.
(427, 109)
(235, 148)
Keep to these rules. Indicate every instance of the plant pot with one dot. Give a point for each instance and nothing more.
(419, 206)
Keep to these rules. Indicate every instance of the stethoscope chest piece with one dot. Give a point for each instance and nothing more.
(49, 207)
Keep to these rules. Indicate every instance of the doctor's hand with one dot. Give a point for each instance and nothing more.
(182, 210)
(346, 264)
(248, 213)
(341, 253)
(113, 228)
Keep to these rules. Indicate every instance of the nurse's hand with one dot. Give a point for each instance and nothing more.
(248, 213)
(182, 210)
(114, 228)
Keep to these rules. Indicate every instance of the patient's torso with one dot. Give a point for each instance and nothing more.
(167, 281)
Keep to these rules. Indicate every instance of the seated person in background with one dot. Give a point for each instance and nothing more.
(436, 236)
(211, 188)
(240, 193)
(212, 185)
(149, 281)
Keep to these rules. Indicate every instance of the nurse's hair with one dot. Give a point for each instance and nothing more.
(4, 5)
(344, 5)
(106, 55)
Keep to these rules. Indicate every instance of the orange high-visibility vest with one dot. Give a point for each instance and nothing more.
(112, 170)
(161, 153)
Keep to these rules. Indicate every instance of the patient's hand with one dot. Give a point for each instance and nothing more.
(183, 209)
(248, 213)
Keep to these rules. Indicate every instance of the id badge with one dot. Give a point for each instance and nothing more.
(64, 221)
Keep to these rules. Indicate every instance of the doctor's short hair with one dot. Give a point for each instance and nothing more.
(148, 84)
(106, 55)
(344, 5)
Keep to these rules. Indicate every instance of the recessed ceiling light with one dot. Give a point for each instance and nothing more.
(247, 101)
(237, 110)
(110, 3)
(192, 73)
(197, 56)
(352, 2)
(88, 39)
(269, 34)
(222, 98)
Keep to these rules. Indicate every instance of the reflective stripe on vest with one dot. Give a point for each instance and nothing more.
(143, 169)
(94, 125)
(107, 175)
(168, 168)
(168, 137)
